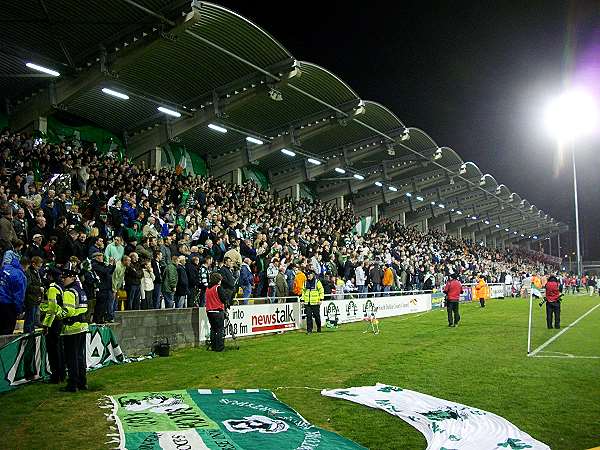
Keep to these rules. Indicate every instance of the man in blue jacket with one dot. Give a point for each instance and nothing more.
(13, 284)
(246, 280)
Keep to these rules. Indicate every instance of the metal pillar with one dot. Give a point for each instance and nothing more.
(576, 213)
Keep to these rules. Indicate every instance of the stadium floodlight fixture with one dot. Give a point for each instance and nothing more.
(314, 161)
(218, 128)
(115, 93)
(487, 222)
(419, 198)
(506, 229)
(438, 154)
(393, 188)
(254, 140)
(378, 183)
(285, 151)
(459, 212)
(170, 112)
(474, 217)
(441, 205)
(408, 194)
(535, 237)
(340, 170)
(522, 235)
(463, 169)
(43, 69)
(574, 112)
(358, 176)
(433, 203)
(514, 232)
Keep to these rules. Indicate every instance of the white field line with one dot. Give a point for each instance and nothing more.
(556, 336)
(566, 356)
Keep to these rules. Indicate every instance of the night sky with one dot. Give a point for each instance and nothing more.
(476, 76)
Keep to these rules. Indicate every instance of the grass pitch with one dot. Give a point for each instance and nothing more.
(482, 363)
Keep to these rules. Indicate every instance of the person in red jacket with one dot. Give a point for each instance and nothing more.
(553, 302)
(453, 289)
(216, 301)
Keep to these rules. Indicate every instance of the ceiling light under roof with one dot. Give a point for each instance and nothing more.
(115, 93)
(39, 68)
(358, 176)
(419, 198)
(316, 162)
(254, 140)
(285, 151)
(393, 189)
(218, 128)
(340, 170)
(169, 112)
(378, 184)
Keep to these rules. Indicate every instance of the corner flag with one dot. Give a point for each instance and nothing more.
(535, 292)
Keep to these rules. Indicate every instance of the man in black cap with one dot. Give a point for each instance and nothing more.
(453, 289)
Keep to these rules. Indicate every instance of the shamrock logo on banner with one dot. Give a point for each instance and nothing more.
(388, 389)
(514, 444)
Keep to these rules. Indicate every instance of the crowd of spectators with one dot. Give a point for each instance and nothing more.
(157, 236)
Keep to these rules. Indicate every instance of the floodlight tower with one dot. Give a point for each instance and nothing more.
(573, 113)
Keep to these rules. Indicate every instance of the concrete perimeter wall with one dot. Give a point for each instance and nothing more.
(136, 331)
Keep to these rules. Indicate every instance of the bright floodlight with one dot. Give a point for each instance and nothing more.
(285, 151)
(358, 176)
(316, 162)
(340, 170)
(419, 198)
(169, 112)
(39, 68)
(115, 93)
(378, 183)
(393, 189)
(408, 194)
(574, 113)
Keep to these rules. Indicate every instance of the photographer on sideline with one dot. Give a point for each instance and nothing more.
(553, 302)
(217, 300)
(453, 289)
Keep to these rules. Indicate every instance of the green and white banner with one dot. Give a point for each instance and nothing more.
(25, 358)
(215, 419)
(445, 425)
(362, 227)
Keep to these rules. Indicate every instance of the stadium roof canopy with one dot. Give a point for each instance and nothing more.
(214, 67)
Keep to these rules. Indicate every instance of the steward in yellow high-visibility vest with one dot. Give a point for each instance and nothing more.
(312, 294)
(481, 291)
(63, 305)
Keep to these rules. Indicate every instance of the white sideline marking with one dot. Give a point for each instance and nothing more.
(566, 356)
(556, 336)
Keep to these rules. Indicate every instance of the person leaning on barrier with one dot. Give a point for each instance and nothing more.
(312, 294)
(217, 300)
(453, 289)
(553, 302)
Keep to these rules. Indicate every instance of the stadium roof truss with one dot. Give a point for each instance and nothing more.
(215, 67)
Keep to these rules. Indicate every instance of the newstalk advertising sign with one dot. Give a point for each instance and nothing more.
(248, 320)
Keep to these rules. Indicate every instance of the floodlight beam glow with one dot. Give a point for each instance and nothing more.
(574, 112)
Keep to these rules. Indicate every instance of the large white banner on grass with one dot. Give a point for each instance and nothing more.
(445, 424)
(355, 309)
(248, 320)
